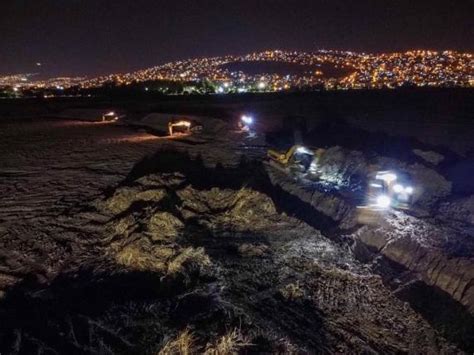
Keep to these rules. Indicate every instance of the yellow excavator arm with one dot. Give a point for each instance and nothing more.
(281, 157)
(305, 159)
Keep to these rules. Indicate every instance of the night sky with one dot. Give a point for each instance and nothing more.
(72, 37)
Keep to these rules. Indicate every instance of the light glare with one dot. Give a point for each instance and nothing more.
(383, 201)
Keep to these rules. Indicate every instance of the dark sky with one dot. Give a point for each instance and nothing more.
(101, 36)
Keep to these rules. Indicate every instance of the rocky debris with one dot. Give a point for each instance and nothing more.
(125, 198)
(461, 209)
(164, 226)
(343, 169)
(332, 208)
(419, 246)
(292, 291)
(147, 236)
(249, 250)
(424, 248)
(430, 186)
(186, 343)
(429, 156)
(237, 210)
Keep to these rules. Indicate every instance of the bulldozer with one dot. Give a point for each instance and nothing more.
(389, 189)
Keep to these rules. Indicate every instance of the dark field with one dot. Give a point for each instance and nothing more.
(116, 241)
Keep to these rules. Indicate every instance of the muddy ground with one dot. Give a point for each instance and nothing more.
(115, 241)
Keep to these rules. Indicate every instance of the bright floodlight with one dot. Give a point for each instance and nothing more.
(383, 201)
(248, 120)
(409, 190)
(303, 150)
(387, 177)
(397, 188)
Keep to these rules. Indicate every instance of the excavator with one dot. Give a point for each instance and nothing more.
(385, 189)
(298, 158)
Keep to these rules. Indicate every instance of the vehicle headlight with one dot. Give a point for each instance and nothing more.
(387, 177)
(248, 120)
(397, 188)
(303, 150)
(383, 201)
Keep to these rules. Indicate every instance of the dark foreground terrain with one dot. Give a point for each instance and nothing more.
(113, 240)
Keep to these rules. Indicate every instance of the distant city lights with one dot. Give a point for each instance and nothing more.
(357, 71)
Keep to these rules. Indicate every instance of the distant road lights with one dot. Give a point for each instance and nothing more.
(261, 85)
(383, 201)
(226, 85)
(220, 89)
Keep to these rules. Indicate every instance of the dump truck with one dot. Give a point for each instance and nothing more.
(111, 116)
(180, 126)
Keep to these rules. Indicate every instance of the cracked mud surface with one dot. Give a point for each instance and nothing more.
(104, 250)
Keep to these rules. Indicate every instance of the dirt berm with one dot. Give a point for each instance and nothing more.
(440, 255)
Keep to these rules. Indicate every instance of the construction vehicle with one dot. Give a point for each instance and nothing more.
(245, 123)
(385, 189)
(183, 126)
(111, 116)
(296, 159)
(389, 189)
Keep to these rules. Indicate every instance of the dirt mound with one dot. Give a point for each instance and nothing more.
(461, 209)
